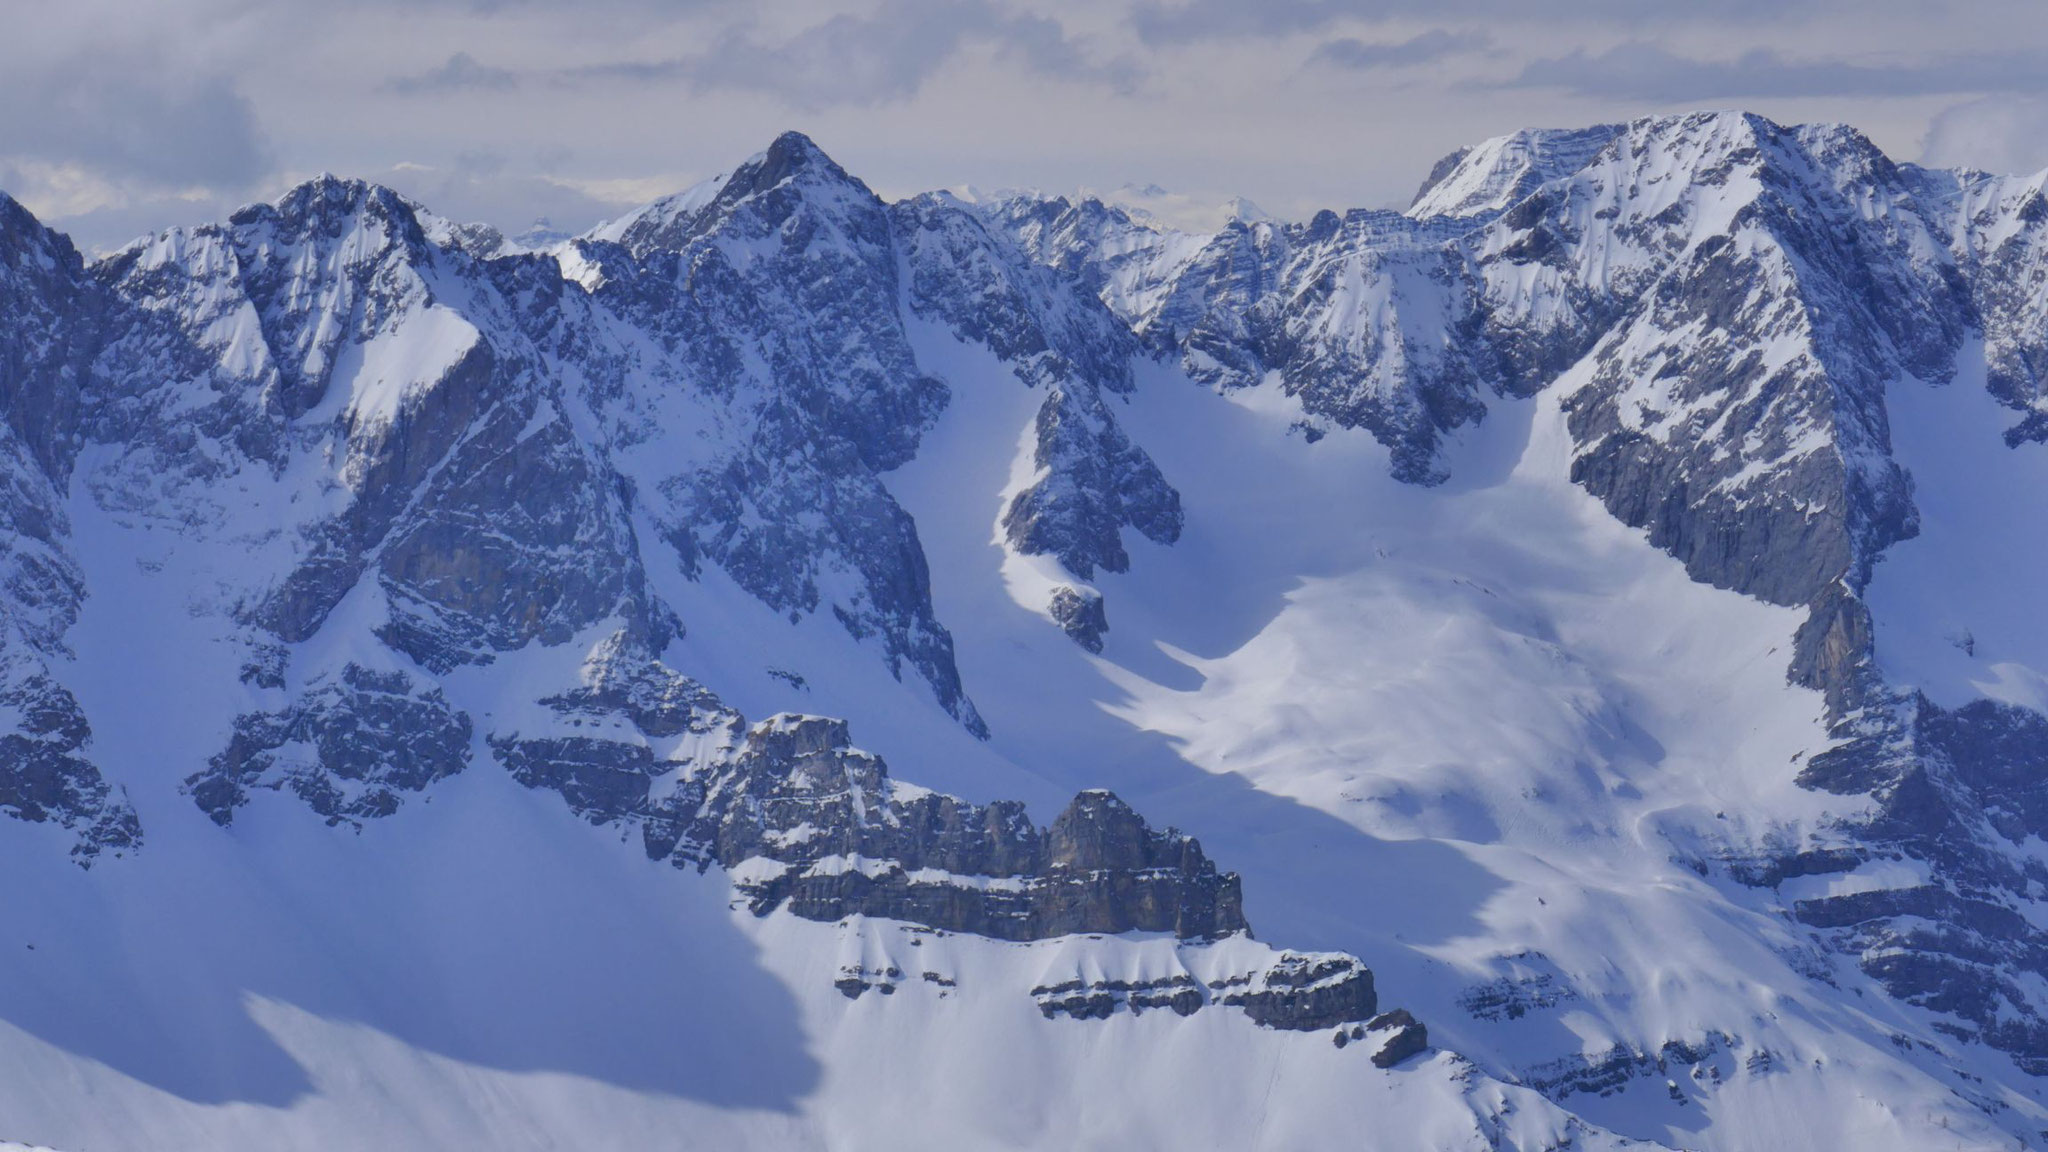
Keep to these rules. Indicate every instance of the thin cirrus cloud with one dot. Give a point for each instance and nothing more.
(1428, 48)
(461, 73)
(1159, 23)
(881, 57)
(1651, 74)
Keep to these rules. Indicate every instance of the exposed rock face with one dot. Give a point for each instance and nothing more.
(735, 369)
(732, 369)
(1996, 228)
(1100, 999)
(979, 282)
(605, 744)
(1730, 298)
(792, 264)
(1306, 992)
(1778, 337)
(348, 747)
(1263, 298)
(44, 774)
(1533, 986)
(809, 822)
(1734, 407)
(1080, 614)
(1960, 790)
(53, 319)
(1092, 482)
(483, 442)
(1301, 992)
(1614, 1070)
(1484, 180)
(1399, 1035)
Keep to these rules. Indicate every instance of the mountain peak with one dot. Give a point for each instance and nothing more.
(24, 238)
(1491, 176)
(792, 157)
(792, 150)
(793, 160)
(326, 202)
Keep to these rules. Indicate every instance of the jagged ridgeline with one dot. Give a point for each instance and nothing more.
(1725, 300)
(472, 491)
(486, 442)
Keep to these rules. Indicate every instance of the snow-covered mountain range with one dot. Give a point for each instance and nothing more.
(1556, 667)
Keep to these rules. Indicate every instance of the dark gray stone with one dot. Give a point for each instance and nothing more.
(844, 842)
(1400, 1035)
(348, 747)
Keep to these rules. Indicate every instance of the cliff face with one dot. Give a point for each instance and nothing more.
(814, 824)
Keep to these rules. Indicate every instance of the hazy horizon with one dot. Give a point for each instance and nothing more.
(127, 117)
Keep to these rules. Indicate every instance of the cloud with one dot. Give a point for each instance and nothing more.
(1648, 73)
(1435, 44)
(461, 73)
(483, 185)
(2001, 134)
(131, 121)
(878, 58)
(1159, 23)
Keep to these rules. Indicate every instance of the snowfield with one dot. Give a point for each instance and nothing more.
(370, 505)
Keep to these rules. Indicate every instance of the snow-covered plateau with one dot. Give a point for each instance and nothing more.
(1554, 668)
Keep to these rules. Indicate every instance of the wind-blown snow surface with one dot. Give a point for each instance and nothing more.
(480, 969)
(1475, 731)
(1950, 619)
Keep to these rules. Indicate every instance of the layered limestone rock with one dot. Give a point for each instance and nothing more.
(808, 822)
(1299, 992)
(1399, 1036)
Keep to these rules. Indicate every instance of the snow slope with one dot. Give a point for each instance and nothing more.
(407, 573)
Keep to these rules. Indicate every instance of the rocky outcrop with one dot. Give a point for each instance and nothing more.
(1300, 992)
(1399, 1035)
(1092, 482)
(1534, 986)
(807, 822)
(1304, 992)
(348, 747)
(54, 320)
(1996, 228)
(44, 772)
(1080, 614)
(603, 745)
(1960, 792)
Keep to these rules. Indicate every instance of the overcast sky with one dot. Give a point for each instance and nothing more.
(118, 117)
